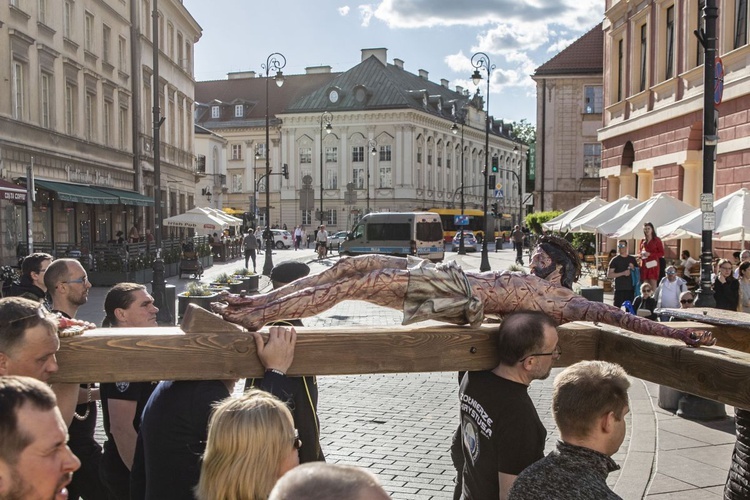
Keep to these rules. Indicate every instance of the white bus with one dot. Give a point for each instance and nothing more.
(397, 233)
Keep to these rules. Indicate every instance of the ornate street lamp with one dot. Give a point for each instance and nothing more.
(482, 60)
(372, 147)
(275, 61)
(326, 118)
(454, 129)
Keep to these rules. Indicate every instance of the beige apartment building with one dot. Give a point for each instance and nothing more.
(652, 132)
(78, 105)
(569, 89)
(390, 143)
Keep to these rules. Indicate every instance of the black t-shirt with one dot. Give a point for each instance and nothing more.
(619, 264)
(114, 472)
(500, 430)
(172, 439)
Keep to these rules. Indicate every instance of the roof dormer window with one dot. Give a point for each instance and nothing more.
(214, 111)
(239, 111)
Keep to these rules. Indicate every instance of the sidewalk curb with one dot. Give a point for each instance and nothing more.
(640, 463)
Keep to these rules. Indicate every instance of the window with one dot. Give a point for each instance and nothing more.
(123, 128)
(214, 111)
(42, 11)
(170, 40)
(260, 150)
(385, 177)
(620, 68)
(419, 155)
(106, 42)
(45, 100)
(439, 159)
(88, 32)
(332, 177)
(358, 154)
(122, 53)
(90, 117)
(740, 32)
(71, 99)
(236, 151)
(305, 155)
(107, 129)
(429, 156)
(236, 183)
(358, 178)
(593, 97)
(67, 18)
(306, 217)
(332, 154)
(18, 90)
(385, 153)
(332, 217)
(669, 68)
(239, 111)
(592, 159)
(644, 58)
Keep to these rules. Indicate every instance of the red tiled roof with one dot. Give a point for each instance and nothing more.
(584, 56)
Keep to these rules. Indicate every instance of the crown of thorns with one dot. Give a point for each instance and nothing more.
(563, 253)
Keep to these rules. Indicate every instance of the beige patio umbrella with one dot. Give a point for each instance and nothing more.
(658, 210)
(562, 222)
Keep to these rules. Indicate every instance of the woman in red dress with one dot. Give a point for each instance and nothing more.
(652, 250)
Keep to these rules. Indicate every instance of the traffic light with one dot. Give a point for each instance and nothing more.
(495, 209)
(285, 171)
(495, 164)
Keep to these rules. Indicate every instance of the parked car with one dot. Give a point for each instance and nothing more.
(336, 239)
(470, 241)
(282, 239)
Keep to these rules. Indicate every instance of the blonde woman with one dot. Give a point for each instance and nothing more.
(251, 443)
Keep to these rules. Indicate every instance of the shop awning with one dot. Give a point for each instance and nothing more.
(129, 197)
(12, 192)
(76, 193)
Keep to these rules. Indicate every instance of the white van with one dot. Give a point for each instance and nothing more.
(397, 233)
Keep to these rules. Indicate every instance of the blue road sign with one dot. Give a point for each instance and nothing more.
(461, 220)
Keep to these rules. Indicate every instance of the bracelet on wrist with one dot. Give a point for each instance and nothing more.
(277, 372)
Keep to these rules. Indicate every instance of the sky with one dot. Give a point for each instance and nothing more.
(439, 36)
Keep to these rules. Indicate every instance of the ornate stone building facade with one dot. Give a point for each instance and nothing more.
(390, 142)
(78, 101)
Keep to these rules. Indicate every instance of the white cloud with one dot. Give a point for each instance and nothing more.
(561, 44)
(365, 13)
(344, 11)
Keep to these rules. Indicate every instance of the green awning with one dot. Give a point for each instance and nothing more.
(129, 197)
(77, 193)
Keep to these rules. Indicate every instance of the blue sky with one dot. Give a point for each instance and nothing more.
(438, 36)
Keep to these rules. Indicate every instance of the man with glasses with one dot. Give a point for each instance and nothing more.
(501, 432)
(68, 287)
(726, 288)
(620, 268)
(31, 284)
(670, 288)
(686, 300)
(589, 403)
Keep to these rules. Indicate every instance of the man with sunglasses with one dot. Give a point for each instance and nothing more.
(501, 431)
(620, 268)
(670, 288)
(68, 287)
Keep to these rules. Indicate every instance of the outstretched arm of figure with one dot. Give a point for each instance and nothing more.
(384, 287)
(509, 292)
(347, 267)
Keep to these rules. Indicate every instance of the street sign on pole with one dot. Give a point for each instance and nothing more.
(461, 220)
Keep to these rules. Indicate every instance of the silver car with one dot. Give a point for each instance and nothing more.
(336, 239)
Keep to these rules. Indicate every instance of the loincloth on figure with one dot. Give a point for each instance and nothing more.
(440, 292)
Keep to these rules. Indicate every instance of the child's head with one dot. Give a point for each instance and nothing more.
(646, 289)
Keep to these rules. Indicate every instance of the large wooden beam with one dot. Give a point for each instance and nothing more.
(110, 355)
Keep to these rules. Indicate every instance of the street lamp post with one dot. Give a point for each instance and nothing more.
(372, 146)
(454, 129)
(482, 60)
(326, 118)
(519, 155)
(275, 61)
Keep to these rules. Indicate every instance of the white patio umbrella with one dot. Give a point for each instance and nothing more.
(220, 214)
(658, 210)
(562, 222)
(198, 219)
(588, 223)
(732, 220)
